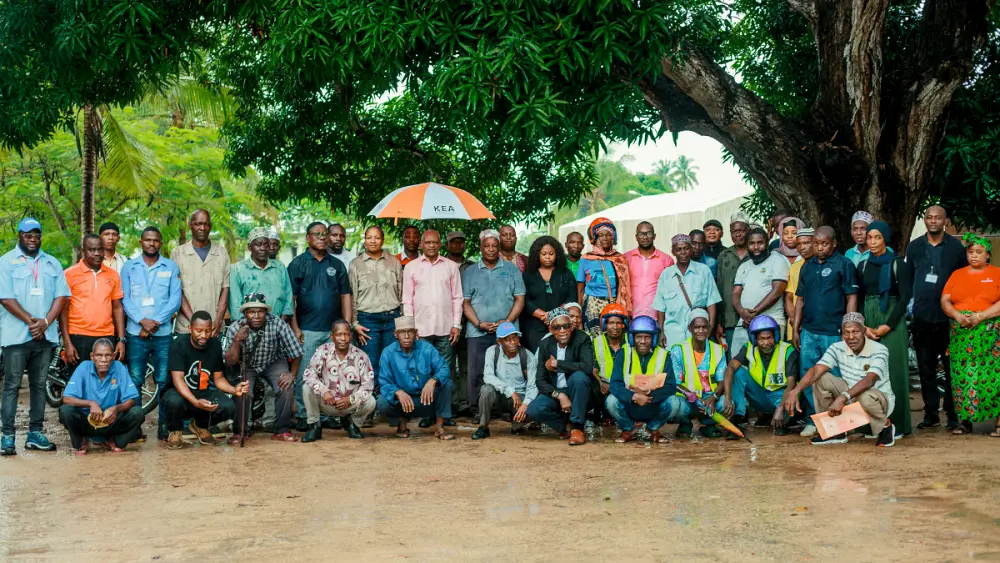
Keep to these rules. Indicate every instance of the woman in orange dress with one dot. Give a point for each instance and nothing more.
(972, 299)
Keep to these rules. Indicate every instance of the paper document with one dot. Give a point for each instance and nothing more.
(850, 418)
(650, 382)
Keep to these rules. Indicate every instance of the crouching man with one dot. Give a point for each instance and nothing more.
(646, 400)
(414, 382)
(699, 364)
(864, 377)
(339, 381)
(195, 361)
(100, 400)
(508, 381)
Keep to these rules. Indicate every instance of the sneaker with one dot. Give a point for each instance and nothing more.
(216, 431)
(887, 437)
(838, 439)
(7, 445)
(809, 431)
(175, 440)
(203, 436)
(37, 441)
(929, 422)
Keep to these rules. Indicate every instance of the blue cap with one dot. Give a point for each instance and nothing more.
(29, 224)
(506, 329)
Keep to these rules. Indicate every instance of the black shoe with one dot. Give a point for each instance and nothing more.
(301, 425)
(426, 422)
(313, 432)
(763, 421)
(952, 424)
(162, 432)
(929, 422)
(887, 437)
(332, 424)
(216, 431)
(739, 419)
(817, 440)
(352, 429)
(449, 422)
(481, 432)
(518, 430)
(781, 431)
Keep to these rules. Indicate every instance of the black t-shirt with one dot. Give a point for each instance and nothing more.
(197, 365)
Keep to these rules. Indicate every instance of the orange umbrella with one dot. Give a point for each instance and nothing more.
(430, 200)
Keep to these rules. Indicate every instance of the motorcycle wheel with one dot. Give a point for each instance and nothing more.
(149, 393)
(55, 383)
(53, 394)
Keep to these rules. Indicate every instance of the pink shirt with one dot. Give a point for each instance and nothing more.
(645, 272)
(432, 294)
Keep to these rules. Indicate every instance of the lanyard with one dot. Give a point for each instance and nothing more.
(146, 279)
(33, 264)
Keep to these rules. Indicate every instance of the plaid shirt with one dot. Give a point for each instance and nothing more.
(278, 342)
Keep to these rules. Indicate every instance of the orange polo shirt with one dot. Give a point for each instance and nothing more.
(90, 302)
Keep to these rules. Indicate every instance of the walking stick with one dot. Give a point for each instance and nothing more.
(243, 402)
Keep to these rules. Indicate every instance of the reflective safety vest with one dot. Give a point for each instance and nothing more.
(774, 378)
(633, 366)
(692, 380)
(605, 356)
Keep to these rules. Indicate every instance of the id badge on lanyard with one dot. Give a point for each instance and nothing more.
(36, 290)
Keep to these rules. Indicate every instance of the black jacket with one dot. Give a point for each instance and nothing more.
(579, 357)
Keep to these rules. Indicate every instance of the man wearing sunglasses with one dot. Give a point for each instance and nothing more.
(564, 380)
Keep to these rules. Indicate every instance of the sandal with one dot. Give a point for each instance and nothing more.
(113, 448)
(80, 452)
(964, 427)
(404, 434)
(656, 438)
(444, 435)
(996, 432)
(284, 437)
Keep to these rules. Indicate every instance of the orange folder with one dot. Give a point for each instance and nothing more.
(650, 382)
(850, 418)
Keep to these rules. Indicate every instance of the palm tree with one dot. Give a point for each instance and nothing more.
(664, 170)
(685, 174)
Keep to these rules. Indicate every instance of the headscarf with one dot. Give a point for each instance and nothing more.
(782, 249)
(884, 261)
(758, 260)
(617, 260)
(972, 238)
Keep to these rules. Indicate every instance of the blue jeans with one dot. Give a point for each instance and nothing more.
(381, 333)
(680, 410)
(654, 415)
(313, 339)
(138, 355)
(746, 392)
(547, 410)
(813, 347)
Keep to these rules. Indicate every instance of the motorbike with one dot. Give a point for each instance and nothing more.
(60, 372)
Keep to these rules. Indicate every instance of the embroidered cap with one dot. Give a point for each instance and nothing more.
(256, 233)
(862, 216)
(556, 313)
(406, 323)
(854, 318)
(680, 239)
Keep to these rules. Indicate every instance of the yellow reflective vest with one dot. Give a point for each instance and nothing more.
(633, 366)
(692, 380)
(774, 378)
(605, 356)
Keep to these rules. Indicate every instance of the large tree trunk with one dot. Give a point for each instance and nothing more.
(91, 146)
(865, 144)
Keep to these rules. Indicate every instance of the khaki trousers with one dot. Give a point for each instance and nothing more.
(316, 407)
(875, 403)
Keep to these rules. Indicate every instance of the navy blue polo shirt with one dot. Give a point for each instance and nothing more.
(825, 288)
(317, 286)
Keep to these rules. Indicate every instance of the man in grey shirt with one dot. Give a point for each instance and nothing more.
(508, 381)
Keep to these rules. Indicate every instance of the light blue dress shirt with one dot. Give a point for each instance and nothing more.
(34, 283)
(701, 289)
(151, 292)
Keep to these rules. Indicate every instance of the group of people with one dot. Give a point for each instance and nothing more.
(780, 323)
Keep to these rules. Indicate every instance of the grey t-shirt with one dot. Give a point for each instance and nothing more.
(756, 280)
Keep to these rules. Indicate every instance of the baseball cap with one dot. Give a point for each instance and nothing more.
(454, 235)
(506, 329)
(29, 224)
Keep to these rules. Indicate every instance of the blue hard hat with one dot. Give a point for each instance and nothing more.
(643, 325)
(763, 322)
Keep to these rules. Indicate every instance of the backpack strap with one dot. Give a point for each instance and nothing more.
(523, 354)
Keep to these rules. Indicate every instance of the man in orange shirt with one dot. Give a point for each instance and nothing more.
(95, 306)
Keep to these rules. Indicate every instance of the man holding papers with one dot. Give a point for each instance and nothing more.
(639, 386)
(864, 370)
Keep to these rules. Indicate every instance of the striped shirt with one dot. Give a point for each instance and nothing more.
(873, 358)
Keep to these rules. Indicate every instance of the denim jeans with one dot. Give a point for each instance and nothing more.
(746, 392)
(680, 410)
(313, 339)
(813, 347)
(138, 355)
(381, 333)
(33, 356)
(547, 410)
(440, 408)
(654, 415)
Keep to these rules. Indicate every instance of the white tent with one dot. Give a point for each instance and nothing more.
(670, 214)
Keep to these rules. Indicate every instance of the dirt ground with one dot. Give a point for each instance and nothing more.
(933, 497)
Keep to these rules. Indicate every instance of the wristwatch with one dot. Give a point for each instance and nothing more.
(122, 339)
(555, 394)
(846, 395)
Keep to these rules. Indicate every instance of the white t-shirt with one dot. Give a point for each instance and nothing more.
(756, 280)
(345, 258)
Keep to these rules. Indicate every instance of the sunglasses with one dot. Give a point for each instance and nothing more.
(561, 326)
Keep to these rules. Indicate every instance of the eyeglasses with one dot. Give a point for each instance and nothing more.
(321, 234)
(644, 234)
(561, 326)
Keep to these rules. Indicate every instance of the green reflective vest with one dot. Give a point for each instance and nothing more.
(605, 356)
(774, 378)
(692, 380)
(633, 366)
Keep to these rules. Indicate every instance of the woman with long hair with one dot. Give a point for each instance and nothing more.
(602, 276)
(972, 299)
(548, 284)
(887, 288)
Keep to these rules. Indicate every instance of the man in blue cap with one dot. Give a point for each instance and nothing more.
(509, 371)
(33, 292)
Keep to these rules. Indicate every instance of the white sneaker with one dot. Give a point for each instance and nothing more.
(808, 431)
